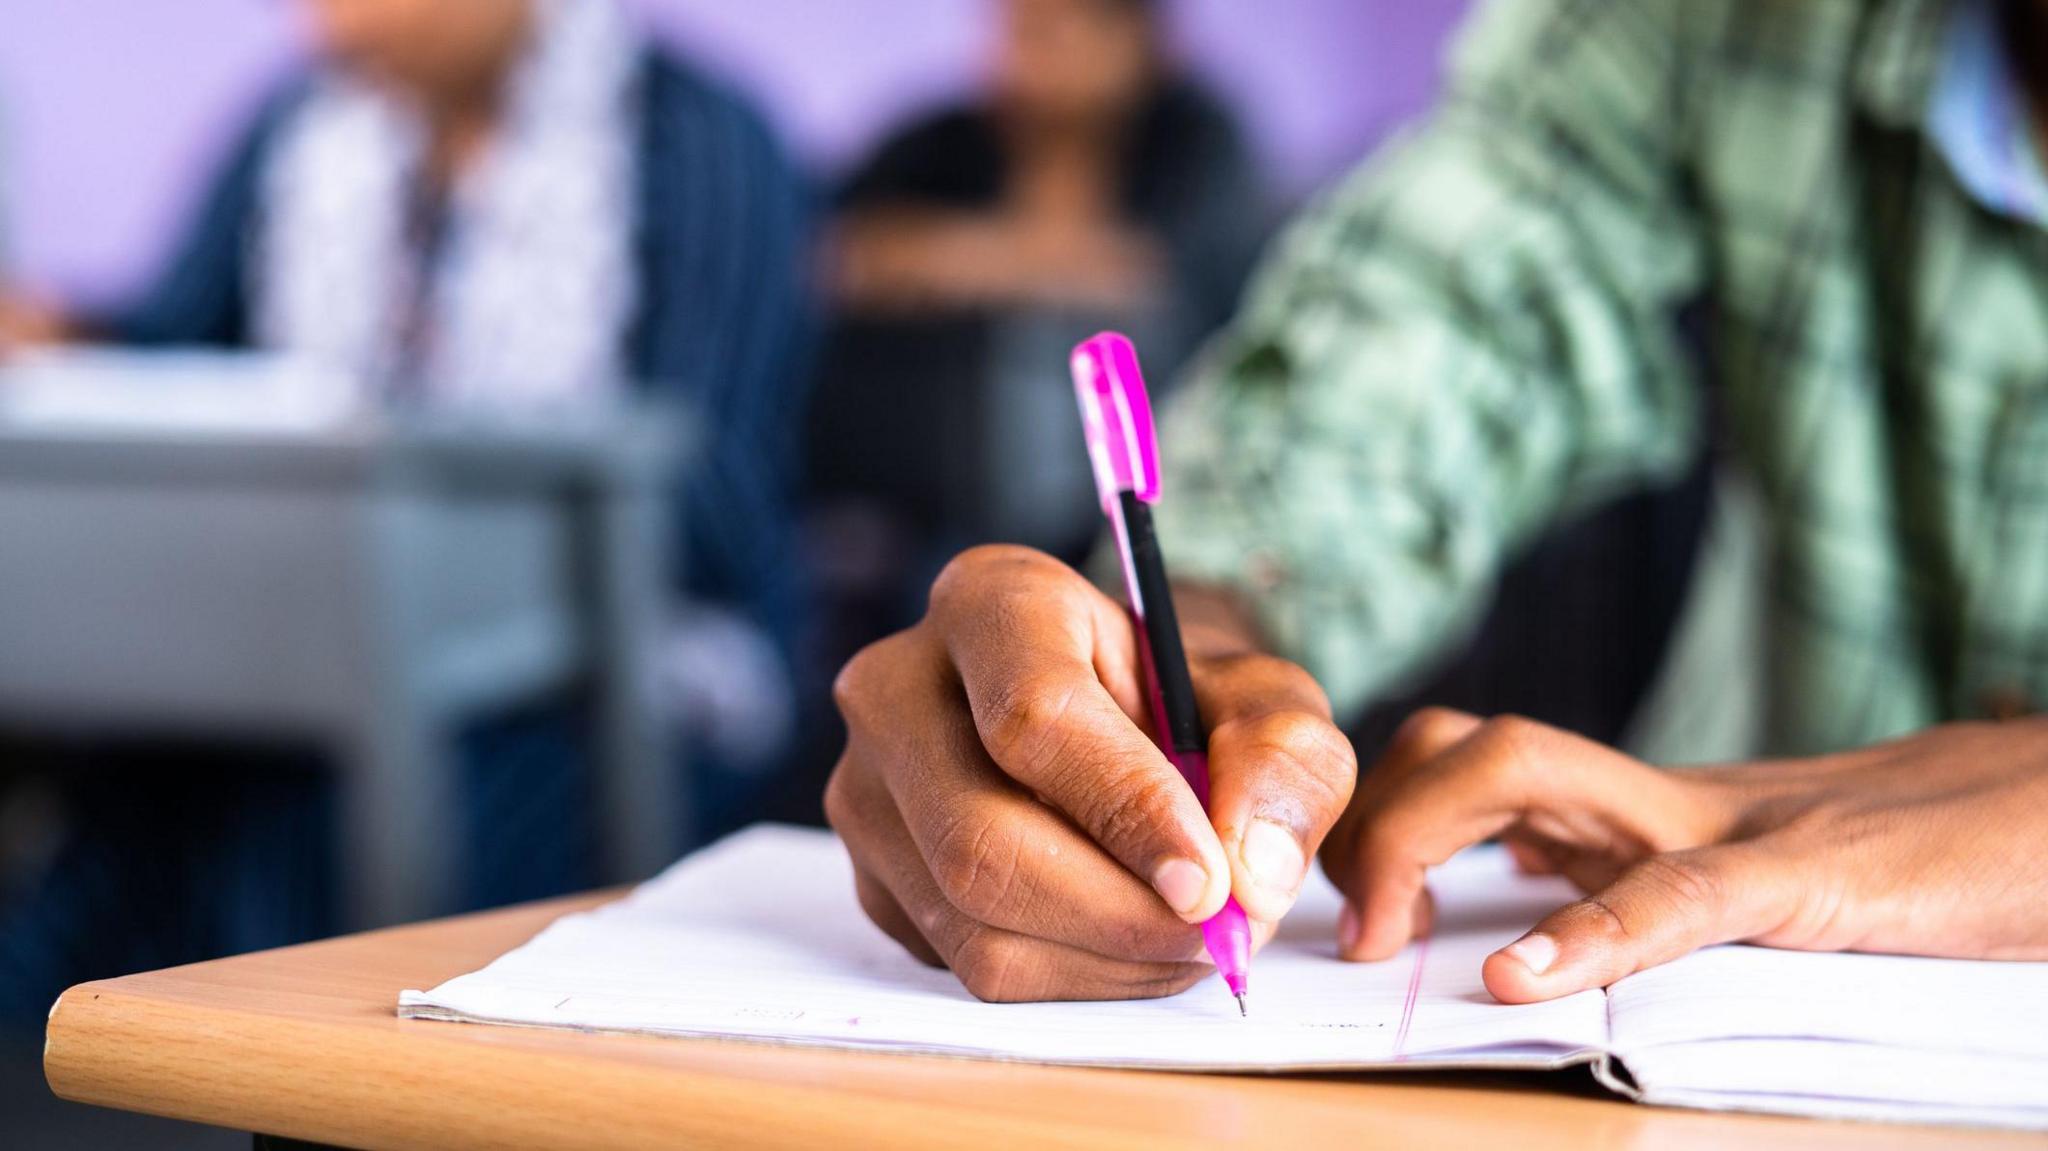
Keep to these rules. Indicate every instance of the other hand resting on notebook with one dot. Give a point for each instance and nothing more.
(1936, 844)
(1007, 815)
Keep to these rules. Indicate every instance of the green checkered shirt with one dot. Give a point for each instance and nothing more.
(1477, 334)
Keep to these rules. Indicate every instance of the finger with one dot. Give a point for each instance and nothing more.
(1497, 774)
(995, 965)
(865, 834)
(1660, 909)
(1529, 856)
(1419, 740)
(1587, 870)
(1280, 774)
(1025, 643)
(996, 853)
(1424, 917)
(889, 915)
(1004, 859)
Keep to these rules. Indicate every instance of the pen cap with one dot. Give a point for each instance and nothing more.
(1117, 415)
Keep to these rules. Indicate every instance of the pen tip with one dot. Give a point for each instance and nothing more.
(1240, 1005)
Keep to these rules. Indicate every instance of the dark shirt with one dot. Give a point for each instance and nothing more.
(1185, 176)
(909, 407)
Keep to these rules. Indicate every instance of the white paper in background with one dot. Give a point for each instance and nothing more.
(183, 391)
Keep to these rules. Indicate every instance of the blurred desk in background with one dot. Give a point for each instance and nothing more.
(361, 582)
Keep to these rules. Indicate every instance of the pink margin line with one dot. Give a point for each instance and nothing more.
(1408, 1007)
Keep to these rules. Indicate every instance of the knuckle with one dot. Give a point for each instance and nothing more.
(1517, 743)
(1677, 881)
(853, 680)
(1295, 683)
(1431, 729)
(838, 803)
(1515, 730)
(1315, 754)
(872, 904)
(862, 683)
(1262, 675)
(965, 578)
(882, 911)
(994, 967)
(1023, 724)
(1296, 679)
(1003, 617)
(873, 689)
(975, 864)
(1130, 810)
(1169, 981)
(1605, 919)
(1142, 942)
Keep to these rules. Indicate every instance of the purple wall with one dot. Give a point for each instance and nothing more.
(111, 111)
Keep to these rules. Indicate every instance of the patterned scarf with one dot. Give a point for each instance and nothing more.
(522, 292)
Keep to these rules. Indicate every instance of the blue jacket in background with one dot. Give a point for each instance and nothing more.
(724, 322)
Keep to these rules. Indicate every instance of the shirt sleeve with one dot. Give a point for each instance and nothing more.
(1470, 337)
(202, 295)
(728, 330)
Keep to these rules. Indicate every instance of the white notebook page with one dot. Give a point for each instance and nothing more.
(1902, 1001)
(1869, 1036)
(760, 938)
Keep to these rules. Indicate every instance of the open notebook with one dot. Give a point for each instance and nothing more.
(759, 938)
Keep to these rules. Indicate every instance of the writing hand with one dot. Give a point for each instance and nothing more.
(1008, 816)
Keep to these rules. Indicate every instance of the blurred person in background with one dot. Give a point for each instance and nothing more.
(527, 203)
(1092, 184)
(488, 204)
(1479, 334)
(1093, 177)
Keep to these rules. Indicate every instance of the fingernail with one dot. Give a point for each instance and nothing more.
(1273, 856)
(1534, 951)
(1181, 883)
(1348, 928)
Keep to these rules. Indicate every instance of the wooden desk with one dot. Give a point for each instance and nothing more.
(304, 1043)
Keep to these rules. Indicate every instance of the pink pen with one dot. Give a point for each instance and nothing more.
(1125, 455)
